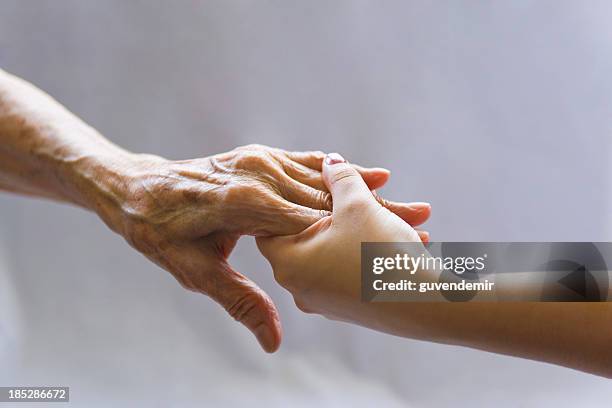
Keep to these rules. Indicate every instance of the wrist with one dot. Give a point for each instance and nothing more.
(103, 182)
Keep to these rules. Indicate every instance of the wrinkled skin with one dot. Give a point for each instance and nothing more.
(186, 216)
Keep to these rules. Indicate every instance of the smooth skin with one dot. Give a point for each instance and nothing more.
(185, 215)
(321, 268)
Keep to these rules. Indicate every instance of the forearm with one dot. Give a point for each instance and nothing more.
(47, 151)
(575, 335)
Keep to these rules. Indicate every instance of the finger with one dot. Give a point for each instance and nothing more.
(210, 274)
(304, 174)
(249, 305)
(288, 218)
(344, 182)
(266, 211)
(305, 195)
(423, 235)
(413, 213)
(374, 177)
(313, 160)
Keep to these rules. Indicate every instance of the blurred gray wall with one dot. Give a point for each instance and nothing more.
(498, 113)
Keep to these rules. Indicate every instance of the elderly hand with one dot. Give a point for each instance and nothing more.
(186, 216)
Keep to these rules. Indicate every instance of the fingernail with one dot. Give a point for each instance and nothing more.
(334, 158)
(424, 235)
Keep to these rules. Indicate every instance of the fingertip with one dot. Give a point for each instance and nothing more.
(422, 209)
(264, 323)
(424, 236)
(379, 170)
(413, 213)
(246, 303)
(375, 177)
(334, 158)
(421, 205)
(343, 180)
(269, 337)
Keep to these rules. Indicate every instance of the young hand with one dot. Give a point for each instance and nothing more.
(320, 265)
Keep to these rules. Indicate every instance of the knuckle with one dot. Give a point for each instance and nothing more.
(243, 306)
(325, 200)
(382, 201)
(252, 147)
(316, 155)
(254, 159)
(345, 174)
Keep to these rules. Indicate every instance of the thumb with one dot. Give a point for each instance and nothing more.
(344, 182)
(247, 304)
(207, 272)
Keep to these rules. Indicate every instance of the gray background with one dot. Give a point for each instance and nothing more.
(498, 113)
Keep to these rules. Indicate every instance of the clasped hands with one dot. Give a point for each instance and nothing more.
(187, 216)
